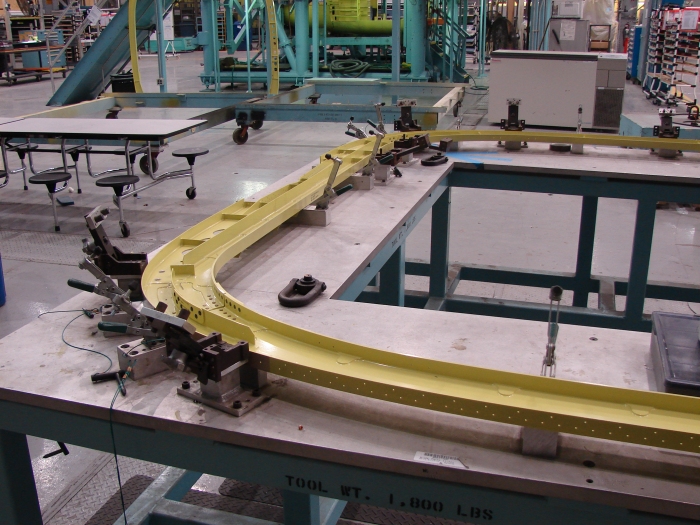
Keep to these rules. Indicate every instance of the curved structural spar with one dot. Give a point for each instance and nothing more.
(183, 274)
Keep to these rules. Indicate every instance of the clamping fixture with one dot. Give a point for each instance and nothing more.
(373, 167)
(125, 268)
(405, 121)
(666, 130)
(354, 131)
(549, 363)
(300, 292)
(328, 192)
(379, 125)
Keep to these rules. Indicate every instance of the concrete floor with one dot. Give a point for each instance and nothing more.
(504, 228)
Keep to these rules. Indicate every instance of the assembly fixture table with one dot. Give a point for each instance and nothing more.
(73, 135)
(323, 447)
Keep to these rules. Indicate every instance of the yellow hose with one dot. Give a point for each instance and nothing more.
(134, 47)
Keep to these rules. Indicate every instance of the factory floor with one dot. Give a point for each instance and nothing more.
(488, 227)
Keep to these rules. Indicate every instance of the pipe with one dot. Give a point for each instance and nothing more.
(482, 38)
(162, 72)
(314, 37)
(247, 45)
(395, 40)
(301, 36)
(286, 44)
(134, 47)
(416, 36)
(349, 27)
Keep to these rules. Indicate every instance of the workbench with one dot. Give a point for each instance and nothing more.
(73, 135)
(313, 442)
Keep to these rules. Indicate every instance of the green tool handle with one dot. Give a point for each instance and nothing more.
(119, 328)
(81, 285)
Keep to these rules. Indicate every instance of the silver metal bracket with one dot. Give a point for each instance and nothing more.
(143, 359)
(226, 395)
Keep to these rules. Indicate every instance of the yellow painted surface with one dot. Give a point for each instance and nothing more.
(183, 275)
(134, 47)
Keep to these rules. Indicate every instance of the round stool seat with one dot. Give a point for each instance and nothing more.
(51, 177)
(117, 182)
(190, 154)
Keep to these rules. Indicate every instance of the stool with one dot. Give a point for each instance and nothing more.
(22, 150)
(51, 179)
(190, 154)
(118, 183)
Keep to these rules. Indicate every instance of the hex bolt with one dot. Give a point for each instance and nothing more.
(256, 392)
(237, 404)
(185, 385)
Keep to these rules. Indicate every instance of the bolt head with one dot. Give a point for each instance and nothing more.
(185, 385)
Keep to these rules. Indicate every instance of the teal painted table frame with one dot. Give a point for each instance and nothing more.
(590, 186)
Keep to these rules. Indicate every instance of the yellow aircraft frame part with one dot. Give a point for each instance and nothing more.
(134, 46)
(183, 274)
(273, 43)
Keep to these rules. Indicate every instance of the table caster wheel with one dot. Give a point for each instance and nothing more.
(191, 193)
(240, 137)
(143, 164)
(124, 227)
(256, 124)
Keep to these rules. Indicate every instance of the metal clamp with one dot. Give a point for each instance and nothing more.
(328, 192)
(354, 131)
(300, 292)
(379, 126)
(549, 363)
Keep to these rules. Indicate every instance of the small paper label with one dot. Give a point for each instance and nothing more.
(438, 459)
(568, 30)
(94, 15)
(689, 21)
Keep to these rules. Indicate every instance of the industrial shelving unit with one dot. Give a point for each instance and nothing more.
(673, 59)
(472, 26)
(660, 69)
(686, 66)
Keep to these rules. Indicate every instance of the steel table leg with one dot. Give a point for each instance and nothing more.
(584, 257)
(440, 245)
(19, 503)
(309, 509)
(639, 264)
(392, 278)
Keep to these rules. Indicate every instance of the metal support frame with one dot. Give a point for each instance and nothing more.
(19, 503)
(440, 245)
(392, 278)
(329, 479)
(581, 282)
(301, 354)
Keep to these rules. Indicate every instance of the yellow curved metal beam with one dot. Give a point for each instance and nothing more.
(134, 46)
(271, 14)
(183, 274)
